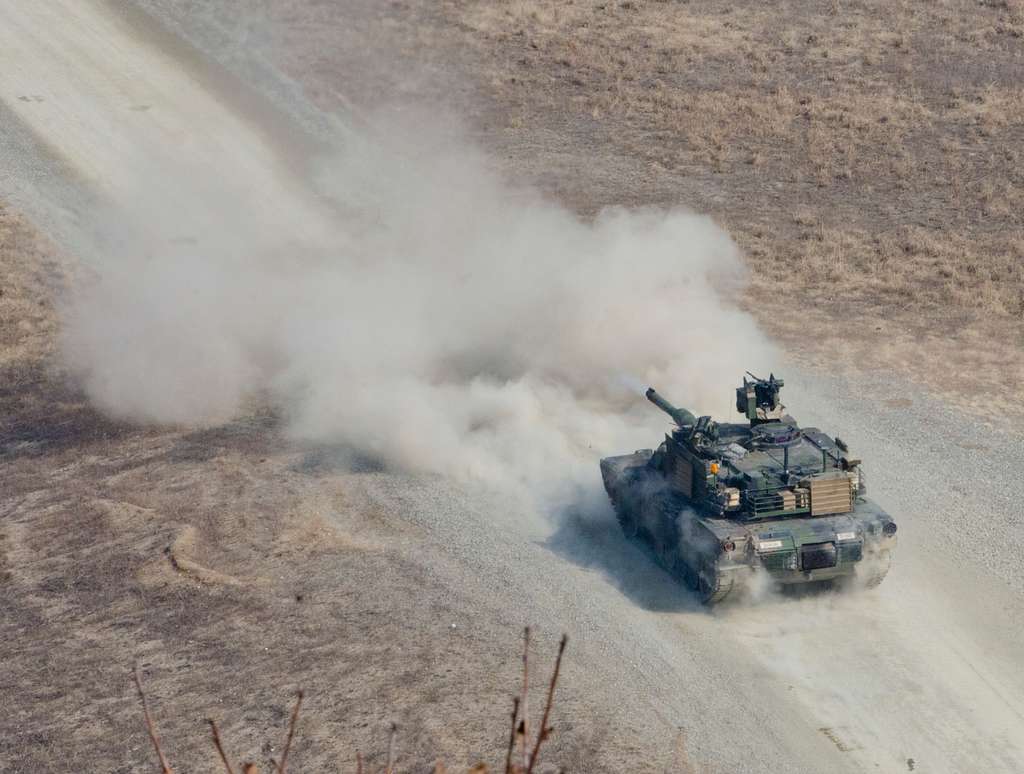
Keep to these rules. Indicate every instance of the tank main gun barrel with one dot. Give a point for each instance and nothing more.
(679, 416)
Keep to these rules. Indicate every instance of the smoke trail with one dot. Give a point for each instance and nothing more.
(421, 309)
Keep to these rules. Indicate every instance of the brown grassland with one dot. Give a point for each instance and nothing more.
(234, 570)
(866, 156)
(522, 755)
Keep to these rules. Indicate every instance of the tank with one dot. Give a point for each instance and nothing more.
(723, 505)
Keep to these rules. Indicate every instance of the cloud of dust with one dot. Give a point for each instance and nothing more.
(415, 307)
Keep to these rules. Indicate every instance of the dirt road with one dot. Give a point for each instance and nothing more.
(922, 674)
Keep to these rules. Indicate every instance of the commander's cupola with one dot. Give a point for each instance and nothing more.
(758, 399)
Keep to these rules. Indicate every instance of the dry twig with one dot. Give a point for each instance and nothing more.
(291, 734)
(391, 748)
(519, 733)
(166, 768)
(545, 730)
(220, 748)
(512, 736)
(523, 700)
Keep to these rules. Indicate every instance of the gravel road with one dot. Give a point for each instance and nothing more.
(920, 673)
(923, 674)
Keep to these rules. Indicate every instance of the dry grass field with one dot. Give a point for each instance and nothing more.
(867, 157)
(234, 569)
(27, 322)
(218, 561)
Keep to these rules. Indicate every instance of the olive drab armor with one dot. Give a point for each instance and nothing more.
(721, 502)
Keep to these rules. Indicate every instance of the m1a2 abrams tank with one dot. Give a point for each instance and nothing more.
(720, 503)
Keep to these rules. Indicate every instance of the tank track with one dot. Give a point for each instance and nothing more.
(878, 573)
(629, 527)
(709, 590)
(716, 592)
(710, 586)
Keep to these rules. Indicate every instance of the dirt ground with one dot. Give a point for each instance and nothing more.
(236, 568)
(866, 158)
(213, 559)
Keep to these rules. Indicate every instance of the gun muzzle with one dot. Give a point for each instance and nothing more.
(679, 416)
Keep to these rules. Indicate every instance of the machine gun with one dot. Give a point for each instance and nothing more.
(758, 400)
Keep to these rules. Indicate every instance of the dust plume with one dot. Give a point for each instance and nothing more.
(402, 299)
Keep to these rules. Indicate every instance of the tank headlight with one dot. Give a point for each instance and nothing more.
(728, 545)
(889, 529)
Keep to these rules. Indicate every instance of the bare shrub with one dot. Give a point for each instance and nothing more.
(522, 756)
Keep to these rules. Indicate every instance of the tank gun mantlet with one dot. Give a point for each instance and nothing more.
(701, 437)
(680, 416)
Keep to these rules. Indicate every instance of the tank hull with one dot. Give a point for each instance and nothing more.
(719, 557)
